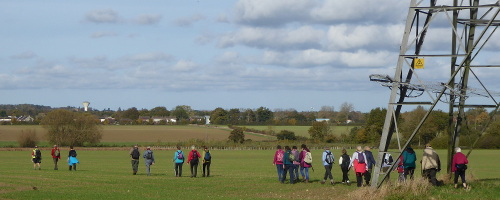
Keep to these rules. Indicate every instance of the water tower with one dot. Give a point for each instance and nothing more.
(86, 105)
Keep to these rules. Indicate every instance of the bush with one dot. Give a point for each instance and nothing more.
(286, 135)
(27, 138)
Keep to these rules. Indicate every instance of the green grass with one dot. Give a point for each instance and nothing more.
(303, 130)
(235, 175)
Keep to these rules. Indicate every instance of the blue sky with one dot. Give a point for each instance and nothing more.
(278, 54)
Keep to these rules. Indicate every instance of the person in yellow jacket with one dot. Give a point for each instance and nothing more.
(36, 158)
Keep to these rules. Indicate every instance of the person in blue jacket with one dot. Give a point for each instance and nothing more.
(178, 161)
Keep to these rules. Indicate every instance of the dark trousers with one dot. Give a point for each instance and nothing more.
(368, 176)
(55, 162)
(207, 166)
(194, 168)
(135, 165)
(431, 175)
(410, 171)
(288, 168)
(345, 175)
(328, 172)
(461, 173)
(359, 178)
(178, 169)
(296, 172)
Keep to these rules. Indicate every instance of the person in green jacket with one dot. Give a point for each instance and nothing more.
(288, 159)
(409, 159)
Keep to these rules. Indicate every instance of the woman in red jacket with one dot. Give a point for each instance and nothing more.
(459, 165)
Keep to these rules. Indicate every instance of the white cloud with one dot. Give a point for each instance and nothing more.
(102, 16)
(302, 37)
(101, 34)
(271, 13)
(147, 19)
(24, 55)
(184, 66)
(362, 58)
(150, 57)
(347, 37)
(188, 21)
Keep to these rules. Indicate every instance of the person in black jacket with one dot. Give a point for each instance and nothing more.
(344, 162)
(370, 162)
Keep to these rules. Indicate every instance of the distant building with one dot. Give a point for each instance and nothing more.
(322, 120)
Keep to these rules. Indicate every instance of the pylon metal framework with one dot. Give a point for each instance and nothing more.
(471, 25)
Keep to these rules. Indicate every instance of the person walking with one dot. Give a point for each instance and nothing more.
(328, 160)
(358, 161)
(278, 161)
(459, 165)
(36, 158)
(178, 161)
(207, 160)
(409, 158)
(288, 164)
(430, 164)
(305, 162)
(296, 163)
(193, 160)
(370, 162)
(401, 169)
(344, 162)
(386, 165)
(149, 159)
(134, 156)
(72, 160)
(56, 155)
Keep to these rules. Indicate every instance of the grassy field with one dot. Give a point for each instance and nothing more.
(107, 174)
(121, 134)
(303, 130)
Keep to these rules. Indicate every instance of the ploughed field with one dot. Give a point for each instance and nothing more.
(136, 133)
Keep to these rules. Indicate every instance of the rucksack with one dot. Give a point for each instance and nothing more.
(136, 154)
(72, 153)
(388, 161)
(180, 155)
(345, 160)
(194, 157)
(308, 158)
(410, 159)
(38, 153)
(361, 158)
(297, 155)
(291, 157)
(57, 153)
(329, 158)
(149, 155)
(279, 156)
(208, 157)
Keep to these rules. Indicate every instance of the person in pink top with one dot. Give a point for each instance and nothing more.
(304, 166)
(459, 165)
(278, 161)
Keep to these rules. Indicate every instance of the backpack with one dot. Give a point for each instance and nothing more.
(149, 155)
(291, 157)
(308, 158)
(194, 157)
(57, 153)
(38, 153)
(361, 158)
(208, 157)
(329, 158)
(279, 156)
(410, 159)
(180, 155)
(388, 161)
(136, 154)
(297, 155)
(72, 153)
(345, 161)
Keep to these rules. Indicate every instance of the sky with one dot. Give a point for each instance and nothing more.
(279, 54)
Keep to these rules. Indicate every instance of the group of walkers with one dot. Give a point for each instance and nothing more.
(363, 162)
(193, 159)
(36, 158)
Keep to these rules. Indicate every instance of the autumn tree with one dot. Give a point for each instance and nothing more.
(319, 130)
(237, 135)
(219, 116)
(264, 115)
(159, 111)
(65, 127)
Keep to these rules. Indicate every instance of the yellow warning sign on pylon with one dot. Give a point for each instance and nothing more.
(419, 63)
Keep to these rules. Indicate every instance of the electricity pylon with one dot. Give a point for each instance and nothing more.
(471, 25)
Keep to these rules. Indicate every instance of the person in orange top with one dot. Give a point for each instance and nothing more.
(56, 155)
(193, 160)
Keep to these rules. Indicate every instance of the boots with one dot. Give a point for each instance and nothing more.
(74, 167)
(70, 167)
(323, 181)
(135, 172)
(331, 182)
